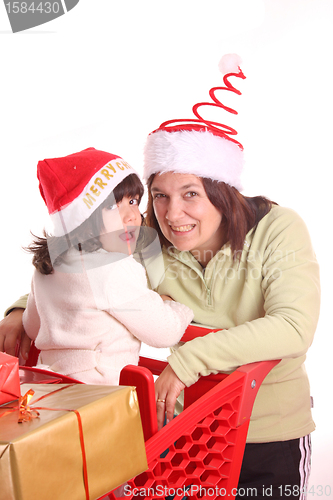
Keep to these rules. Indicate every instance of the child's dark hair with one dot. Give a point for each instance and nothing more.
(86, 236)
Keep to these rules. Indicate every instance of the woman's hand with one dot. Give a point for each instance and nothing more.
(167, 389)
(11, 331)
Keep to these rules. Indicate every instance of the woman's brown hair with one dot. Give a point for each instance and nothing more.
(86, 236)
(240, 213)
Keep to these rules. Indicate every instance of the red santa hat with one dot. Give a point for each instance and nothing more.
(198, 146)
(75, 185)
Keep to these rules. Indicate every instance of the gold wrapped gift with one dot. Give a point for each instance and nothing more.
(43, 458)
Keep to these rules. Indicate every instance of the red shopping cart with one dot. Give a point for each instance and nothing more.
(199, 453)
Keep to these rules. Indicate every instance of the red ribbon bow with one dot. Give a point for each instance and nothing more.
(26, 413)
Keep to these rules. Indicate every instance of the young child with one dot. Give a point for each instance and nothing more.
(90, 307)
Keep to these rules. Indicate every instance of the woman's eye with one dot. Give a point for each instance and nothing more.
(191, 194)
(156, 196)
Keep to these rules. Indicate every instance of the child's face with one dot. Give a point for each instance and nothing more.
(121, 226)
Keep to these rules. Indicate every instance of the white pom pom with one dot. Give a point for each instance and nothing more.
(230, 63)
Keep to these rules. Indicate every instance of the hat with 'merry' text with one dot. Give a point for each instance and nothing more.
(75, 185)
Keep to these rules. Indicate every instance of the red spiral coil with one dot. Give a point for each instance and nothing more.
(199, 123)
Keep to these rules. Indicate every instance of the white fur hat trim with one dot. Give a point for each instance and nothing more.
(200, 153)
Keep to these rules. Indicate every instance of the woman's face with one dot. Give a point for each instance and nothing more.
(121, 223)
(186, 216)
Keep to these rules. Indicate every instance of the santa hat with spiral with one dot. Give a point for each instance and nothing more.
(197, 146)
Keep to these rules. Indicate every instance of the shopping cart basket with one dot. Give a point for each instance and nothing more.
(199, 453)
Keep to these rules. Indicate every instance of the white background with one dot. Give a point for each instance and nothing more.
(110, 71)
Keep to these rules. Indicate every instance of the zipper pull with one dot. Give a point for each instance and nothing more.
(209, 296)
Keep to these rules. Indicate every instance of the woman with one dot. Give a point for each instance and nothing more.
(245, 265)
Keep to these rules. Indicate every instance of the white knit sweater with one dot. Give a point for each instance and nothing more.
(89, 321)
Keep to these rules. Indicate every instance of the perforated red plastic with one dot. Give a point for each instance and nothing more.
(199, 453)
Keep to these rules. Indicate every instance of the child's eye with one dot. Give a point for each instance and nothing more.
(111, 207)
(134, 201)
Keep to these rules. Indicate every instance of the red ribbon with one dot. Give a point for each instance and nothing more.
(26, 413)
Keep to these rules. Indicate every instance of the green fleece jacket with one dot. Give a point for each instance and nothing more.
(268, 305)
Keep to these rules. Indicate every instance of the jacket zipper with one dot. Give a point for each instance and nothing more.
(201, 275)
(209, 296)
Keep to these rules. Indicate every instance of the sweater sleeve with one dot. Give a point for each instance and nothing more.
(291, 291)
(19, 304)
(153, 321)
(30, 318)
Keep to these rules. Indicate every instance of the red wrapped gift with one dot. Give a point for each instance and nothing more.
(9, 378)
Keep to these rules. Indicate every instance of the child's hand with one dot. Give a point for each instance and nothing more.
(166, 297)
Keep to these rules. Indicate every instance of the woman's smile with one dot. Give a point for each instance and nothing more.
(182, 229)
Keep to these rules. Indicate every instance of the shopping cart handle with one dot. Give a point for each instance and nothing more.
(156, 366)
(255, 373)
(196, 330)
(142, 379)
